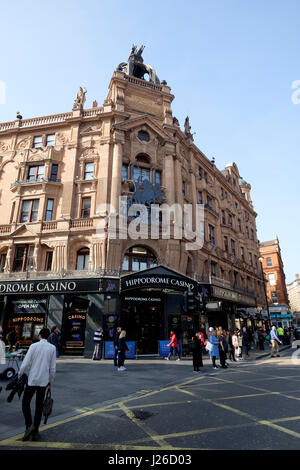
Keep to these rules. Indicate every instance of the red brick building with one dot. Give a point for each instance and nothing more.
(274, 272)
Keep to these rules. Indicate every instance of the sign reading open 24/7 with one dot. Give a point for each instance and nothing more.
(157, 281)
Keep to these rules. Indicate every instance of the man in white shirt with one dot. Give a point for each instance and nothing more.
(39, 365)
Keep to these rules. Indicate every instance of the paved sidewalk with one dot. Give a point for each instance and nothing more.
(254, 354)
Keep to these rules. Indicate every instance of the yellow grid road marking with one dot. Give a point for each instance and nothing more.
(152, 434)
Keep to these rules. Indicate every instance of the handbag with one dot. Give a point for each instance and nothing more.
(208, 346)
(47, 405)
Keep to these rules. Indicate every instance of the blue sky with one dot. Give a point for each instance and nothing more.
(230, 64)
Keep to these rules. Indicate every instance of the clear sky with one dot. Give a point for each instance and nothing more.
(230, 64)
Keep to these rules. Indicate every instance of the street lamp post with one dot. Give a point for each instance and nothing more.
(265, 290)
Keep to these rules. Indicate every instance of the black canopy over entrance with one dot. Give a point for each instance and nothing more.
(152, 302)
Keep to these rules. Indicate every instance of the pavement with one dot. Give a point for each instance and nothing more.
(164, 405)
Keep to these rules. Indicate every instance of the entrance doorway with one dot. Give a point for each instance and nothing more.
(142, 317)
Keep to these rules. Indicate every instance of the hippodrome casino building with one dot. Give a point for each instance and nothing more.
(57, 171)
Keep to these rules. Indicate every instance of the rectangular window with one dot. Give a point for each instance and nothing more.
(239, 225)
(247, 232)
(50, 140)
(38, 141)
(200, 198)
(19, 258)
(274, 296)
(226, 244)
(183, 188)
(242, 253)
(86, 208)
(233, 247)
(252, 234)
(49, 258)
(35, 173)
(125, 265)
(124, 172)
(250, 259)
(209, 202)
(230, 220)
(269, 262)
(157, 178)
(49, 210)
(23, 260)
(223, 217)
(140, 174)
(211, 234)
(213, 267)
(89, 171)
(200, 172)
(272, 280)
(30, 210)
(2, 262)
(54, 172)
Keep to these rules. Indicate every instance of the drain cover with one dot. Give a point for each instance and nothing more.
(142, 415)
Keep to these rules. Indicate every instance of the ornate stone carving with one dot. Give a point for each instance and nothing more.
(3, 147)
(62, 138)
(24, 144)
(80, 99)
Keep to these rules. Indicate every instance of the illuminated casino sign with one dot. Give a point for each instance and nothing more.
(158, 277)
(59, 286)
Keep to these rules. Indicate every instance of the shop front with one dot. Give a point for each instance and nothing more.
(154, 302)
(76, 306)
(228, 308)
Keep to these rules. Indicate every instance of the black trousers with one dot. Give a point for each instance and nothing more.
(197, 360)
(116, 357)
(231, 354)
(27, 397)
(222, 358)
(121, 359)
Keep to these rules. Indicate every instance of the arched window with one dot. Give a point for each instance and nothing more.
(138, 258)
(144, 136)
(82, 261)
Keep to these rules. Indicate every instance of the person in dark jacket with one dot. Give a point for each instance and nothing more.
(231, 348)
(197, 343)
(98, 345)
(261, 339)
(245, 342)
(115, 340)
(223, 349)
(122, 349)
(53, 339)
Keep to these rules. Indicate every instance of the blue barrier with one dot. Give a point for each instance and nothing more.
(164, 349)
(109, 350)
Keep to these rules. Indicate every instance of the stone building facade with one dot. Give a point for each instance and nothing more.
(61, 177)
(293, 289)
